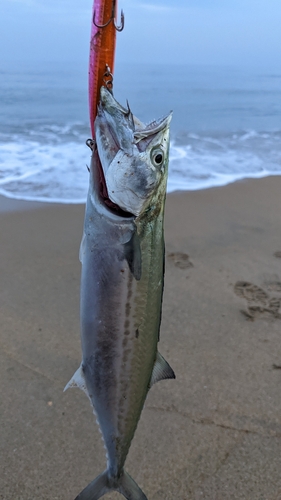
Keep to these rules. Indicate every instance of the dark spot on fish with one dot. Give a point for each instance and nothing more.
(122, 270)
(128, 309)
(130, 281)
(127, 324)
(137, 333)
(125, 342)
(127, 332)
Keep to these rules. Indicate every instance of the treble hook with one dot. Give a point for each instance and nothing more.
(118, 28)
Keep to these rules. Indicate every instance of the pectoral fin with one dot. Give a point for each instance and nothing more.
(133, 255)
(161, 370)
(82, 248)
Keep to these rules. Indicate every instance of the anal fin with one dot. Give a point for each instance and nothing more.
(78, 380)
(161, 370)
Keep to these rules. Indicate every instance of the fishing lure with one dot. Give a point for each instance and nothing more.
(102, 51)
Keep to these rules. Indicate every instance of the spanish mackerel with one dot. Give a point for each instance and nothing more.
(122, 255)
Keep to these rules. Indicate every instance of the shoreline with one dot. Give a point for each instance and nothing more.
(9, 204)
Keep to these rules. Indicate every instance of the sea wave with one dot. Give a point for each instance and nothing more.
(49, 163)
(200, 162)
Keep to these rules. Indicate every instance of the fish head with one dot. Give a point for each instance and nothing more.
(134, 157)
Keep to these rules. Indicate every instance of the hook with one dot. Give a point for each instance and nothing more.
(121, 26)
(100, 25)
(118, 28)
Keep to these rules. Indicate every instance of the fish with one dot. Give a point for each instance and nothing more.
(122, 278)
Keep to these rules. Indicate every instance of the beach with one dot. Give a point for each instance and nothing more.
(214, 433)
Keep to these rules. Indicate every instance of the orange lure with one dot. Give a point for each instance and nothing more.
(102, 50)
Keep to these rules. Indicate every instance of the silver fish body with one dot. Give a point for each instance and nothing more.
(122, 255)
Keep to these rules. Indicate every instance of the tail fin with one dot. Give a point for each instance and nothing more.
(129, 488)
(103, 484)
(96, 489)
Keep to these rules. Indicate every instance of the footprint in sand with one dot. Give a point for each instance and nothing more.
(259, 304)
(250, 292)
(179, 259)
(277, 254)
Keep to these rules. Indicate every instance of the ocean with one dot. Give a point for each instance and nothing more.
(226, 125)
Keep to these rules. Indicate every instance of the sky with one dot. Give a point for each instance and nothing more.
(217, 32)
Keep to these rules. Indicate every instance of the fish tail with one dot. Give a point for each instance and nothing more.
(104, 483)
(129, 488)
(96, 489)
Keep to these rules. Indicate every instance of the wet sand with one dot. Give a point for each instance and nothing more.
(214, 433)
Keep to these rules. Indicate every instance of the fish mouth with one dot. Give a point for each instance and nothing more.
(103, 193)
(122, 142)
(107, 146)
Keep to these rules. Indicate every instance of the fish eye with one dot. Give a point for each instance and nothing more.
(157, 157)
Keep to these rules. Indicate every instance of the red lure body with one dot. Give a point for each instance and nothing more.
(102, 51)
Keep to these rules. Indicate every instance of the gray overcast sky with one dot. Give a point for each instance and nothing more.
(232, 32)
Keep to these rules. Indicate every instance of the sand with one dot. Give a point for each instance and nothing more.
(214, 433)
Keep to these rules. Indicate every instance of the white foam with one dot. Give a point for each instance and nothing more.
(49, 164)
(208, 162)
(33, 170)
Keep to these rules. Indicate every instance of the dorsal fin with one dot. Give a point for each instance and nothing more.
(161, 370)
